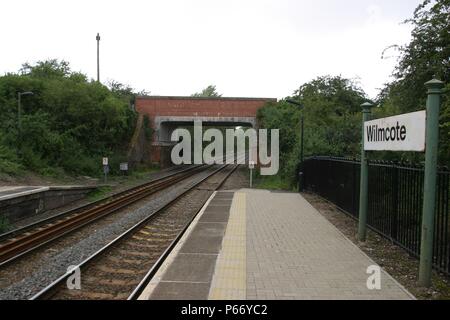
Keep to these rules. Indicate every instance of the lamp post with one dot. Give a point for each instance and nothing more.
(298, 104)
(98, 56)
(19, 109)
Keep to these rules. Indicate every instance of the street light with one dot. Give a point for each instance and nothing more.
(301, 106)
(19, 111)
(98, 56)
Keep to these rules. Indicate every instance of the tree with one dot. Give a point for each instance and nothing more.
(209, 91)
(120, 89)
(332, 121)
(52, 68)
(425, 57)
(68, 124)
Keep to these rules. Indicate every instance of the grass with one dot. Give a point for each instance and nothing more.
(4, 224)
(99, 193)
(136, 176)
(140, 173)
(272, 183)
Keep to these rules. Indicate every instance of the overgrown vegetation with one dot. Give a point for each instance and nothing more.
(425, 57)
(147, 128)
(332, 121)
(68, 123)
(4, 224)
(99, 193)
(332, 103)
(209, 91)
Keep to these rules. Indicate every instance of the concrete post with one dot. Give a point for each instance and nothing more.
(364, 185)
(429, 198)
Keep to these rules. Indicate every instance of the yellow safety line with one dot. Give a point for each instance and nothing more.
(229, 281)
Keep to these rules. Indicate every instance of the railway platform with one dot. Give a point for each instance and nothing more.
(7, 192)
(257, 244)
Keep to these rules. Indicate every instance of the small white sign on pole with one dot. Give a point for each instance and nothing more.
(251, 166)
(405, 132)
(105, 161)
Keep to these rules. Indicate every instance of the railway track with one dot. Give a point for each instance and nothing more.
(19, 242)
(122, 268)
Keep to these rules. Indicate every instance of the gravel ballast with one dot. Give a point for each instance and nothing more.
(57, 264)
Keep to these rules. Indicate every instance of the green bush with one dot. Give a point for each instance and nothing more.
(68, 124)
(332, 121)
(9, 162)
(4, 225)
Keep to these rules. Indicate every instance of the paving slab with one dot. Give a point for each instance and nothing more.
(181, 291)
(191, 267)
(207, 238)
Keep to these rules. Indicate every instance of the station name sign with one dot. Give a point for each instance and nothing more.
(404, 132)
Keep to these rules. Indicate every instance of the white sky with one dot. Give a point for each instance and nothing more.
(253, 48)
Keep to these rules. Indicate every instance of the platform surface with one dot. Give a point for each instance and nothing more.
(257, 244)
(7, 192)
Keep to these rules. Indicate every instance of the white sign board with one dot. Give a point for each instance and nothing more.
(124, 166)
(251, 165)
(405, 132)
(105, 161)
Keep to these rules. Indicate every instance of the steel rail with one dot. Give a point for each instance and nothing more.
(12, 233)
(50, 290)
(150, 274)
(30, 241)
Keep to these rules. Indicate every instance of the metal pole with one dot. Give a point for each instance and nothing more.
(98, 57)
(302, 141)
(300, 182)
(429, 198)
(364, 185)
(19, 111)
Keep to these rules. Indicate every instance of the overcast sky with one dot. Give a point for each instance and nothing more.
(254, 48)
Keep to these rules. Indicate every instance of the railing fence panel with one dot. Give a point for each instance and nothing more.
(395, 200)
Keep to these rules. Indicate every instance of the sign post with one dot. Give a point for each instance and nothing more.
(429, 198)
(251, 166)
(105, 167)
(416, 131)
(363, 188)
(124, 167)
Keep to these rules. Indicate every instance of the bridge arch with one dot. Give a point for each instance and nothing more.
(166, 113)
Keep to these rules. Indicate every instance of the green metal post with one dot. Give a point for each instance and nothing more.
(364, 185)
(429, 197)
(302, 141)
(19, 114)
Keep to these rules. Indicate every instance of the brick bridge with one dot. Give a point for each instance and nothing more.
(168, 113)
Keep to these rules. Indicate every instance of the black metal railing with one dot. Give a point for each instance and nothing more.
(395, 200)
